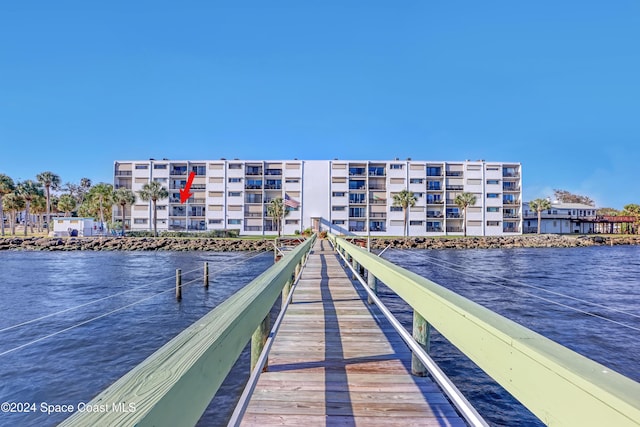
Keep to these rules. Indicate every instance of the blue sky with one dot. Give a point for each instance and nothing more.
(554, 85)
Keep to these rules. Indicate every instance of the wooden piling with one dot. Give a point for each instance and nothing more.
(285, 292)
(258, 340)
(421, 333)
(178, 284)
(206, 274)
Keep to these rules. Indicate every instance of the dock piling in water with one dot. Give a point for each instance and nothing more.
(178, 284)
(206, 274)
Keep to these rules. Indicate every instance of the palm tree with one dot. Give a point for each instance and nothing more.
(153, 191)
(405, 199)
(277, 210)
(50, 181)
(13, 202)
(463, 201)
(7, 186)
(539, 205)
(101, 197)
(38, 208)
(28, 190)
(124, 197)
(66, 204)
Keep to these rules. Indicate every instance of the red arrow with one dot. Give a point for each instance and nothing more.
(184, 192)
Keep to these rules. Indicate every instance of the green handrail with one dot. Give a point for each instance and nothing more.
(560, 386)
(174, 385)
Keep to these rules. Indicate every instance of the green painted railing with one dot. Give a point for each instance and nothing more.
(174, 386)
(560, 386)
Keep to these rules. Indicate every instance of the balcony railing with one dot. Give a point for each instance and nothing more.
(510, 175)
(454, 229)
(454, 173)
(434, 229)
(434, 173)
(199, 187)
(511, 230)
(455, 187)
(378, 215)
(253, 200)
(123, 173)
(252, 215)
(178, 172)
(273, 186)
(377, 201)
(510, 188)
(454, 215)
(252, 228)
(377, 173)
(434, 188)
(511, 202)
(511, 216)
(435, 202)
(273, 172)
(376, 187)
(253, 187)
(356, 229)
(434, 215)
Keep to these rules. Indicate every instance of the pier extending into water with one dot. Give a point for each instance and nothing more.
(336, 360)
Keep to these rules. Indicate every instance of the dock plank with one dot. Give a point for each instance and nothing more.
(337, 361)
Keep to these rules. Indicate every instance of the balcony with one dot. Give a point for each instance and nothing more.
(377, 201)
(356, 228)
(455, 187)
(123, 173)
(454, 215)
(434, 229)
(434, 202)
(199, 187)
(253, 186)
(511, 229)
(178, 171)
(375, 171)
(253, 171)
(454, 173)
(378, 215)
(253, 199)
(510, 175)
(454, 229)
(434, 215)
(510, 188)
(252, 215)
(514, 216)
(511, 202)
(273, 172)
(357, 172)
(273, 186)
(252, 228)
(376, 187)
(434, 188)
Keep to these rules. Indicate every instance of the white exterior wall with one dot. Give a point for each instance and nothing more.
(321, 187)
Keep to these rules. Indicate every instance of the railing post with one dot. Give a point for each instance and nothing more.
(421, 333)
(355, 269)
(285, 292)
(206, 274)
(258, 340)
(373, 285)
(178, 284)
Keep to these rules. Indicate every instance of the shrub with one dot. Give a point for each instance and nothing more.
(323, 234)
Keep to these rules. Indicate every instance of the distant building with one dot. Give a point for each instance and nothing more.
(561, 218)
(342, 196)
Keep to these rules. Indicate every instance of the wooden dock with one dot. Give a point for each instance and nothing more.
(337, 361)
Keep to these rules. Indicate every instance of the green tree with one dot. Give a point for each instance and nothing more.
(153, 191)
(405, 199)
(67, 204)
(14, 203)
(607, 212)
(633, 210)
(124, 197)
(50, 181)
(539, 205)
(39, 208)
(100, 199)
(277, 211)
(463, 201)
(7, 186)
(566, 197)
(29, 190)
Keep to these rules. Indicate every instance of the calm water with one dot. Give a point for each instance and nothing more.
(77, 364)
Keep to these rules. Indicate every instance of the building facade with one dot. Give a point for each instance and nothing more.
(341, 196)
(562, 218)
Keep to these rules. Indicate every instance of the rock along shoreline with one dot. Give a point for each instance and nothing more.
(235, 245)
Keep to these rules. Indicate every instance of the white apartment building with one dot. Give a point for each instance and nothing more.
(341, 196)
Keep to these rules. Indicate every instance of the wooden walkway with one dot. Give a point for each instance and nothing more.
(336, 361)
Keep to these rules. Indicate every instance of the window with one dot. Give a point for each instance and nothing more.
(160, 166)
(396, 181)
(142, 166)
(215, 221)
(161, 180)
(292, 180)
(492, 195)
(473, 181)
(434, 171)
(234, 221)
(235, 179)
(337, 208)
(473, 167)
(415, 181)
(493, 209)
(235, 193)
(396, 166)
(162, 207)
(493, 223)
(493, 182)
(140, 220)
(415, 222)
(215, 193)
(291, 221)
(338, 222)
(396, 208)
(338, 194)
(235, 165)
